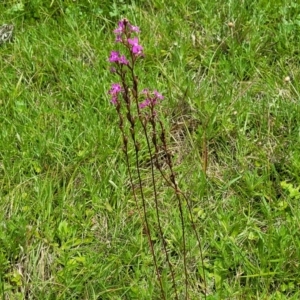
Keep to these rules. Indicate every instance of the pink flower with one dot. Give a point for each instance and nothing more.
(116, 58)
(122, 26)
(135, 47)
(115, 88)
(158, 95)
(123, 60)
(134, 28)
(114, 100)
(145, 103)
(151, 98)
(114, 92)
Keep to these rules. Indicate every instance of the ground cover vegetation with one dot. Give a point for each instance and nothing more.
(223, 76)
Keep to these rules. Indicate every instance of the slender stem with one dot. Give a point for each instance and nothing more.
(178, 192)
(144, 125)
(131, 120)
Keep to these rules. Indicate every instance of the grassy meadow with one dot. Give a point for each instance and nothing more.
(69, 226)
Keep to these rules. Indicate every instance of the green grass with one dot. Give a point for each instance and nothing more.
(69, 228)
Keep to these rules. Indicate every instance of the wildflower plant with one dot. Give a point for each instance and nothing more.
(138, 116)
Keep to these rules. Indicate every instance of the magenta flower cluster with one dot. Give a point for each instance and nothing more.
(123, 35)
(114, 92)
(135, 47)
(124, 28)
(115, 57)
(151, 98)
(119, 61)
